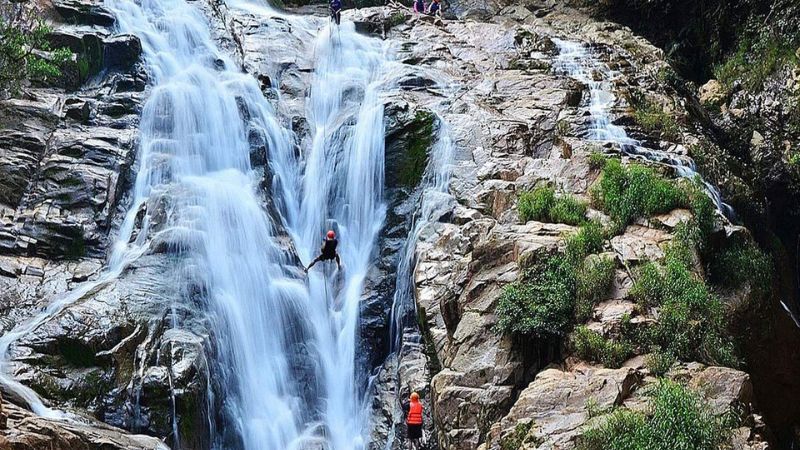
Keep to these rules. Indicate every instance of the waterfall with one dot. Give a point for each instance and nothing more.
(577, 61)
(285, 343)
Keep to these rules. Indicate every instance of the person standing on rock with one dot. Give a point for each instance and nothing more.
(328, 251)
(435, 9)
(336, 11)
(414, 422)
(419, 6)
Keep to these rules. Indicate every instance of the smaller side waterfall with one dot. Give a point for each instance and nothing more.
(577, 61)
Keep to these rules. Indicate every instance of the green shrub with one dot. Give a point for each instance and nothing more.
(741, 262)
(679, 419)
(516, 438)
(541, 304)
(24, 50)
(569, 210)
(659, 362)
(652, 118)
(759, 55)
(536, 205)
(691, 319)
(593, 347)
(589, 239)
(597, 160)
(628, 193)
(593, 281)
(542, 204)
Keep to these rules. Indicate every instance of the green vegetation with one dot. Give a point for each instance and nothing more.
(652, 117)
(25, 52)
(659, 362)
(593, 347)
(741, 262)
(629, 192)
(516, 438)
(542, 204)
(678, 420)
(542, 304)
(592, 282)
(760, 53)
(597, 160)
(412, 167)
(691, 323)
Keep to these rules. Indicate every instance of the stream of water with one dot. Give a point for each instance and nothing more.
(578, 62)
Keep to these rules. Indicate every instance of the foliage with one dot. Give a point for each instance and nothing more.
(593, 281)
(516, 438)
(760, 53)
(652, 117)
(659, 362)
(629, 192)
(589, 239)
(691, 320)
(678, 420)
(591, 346)
(597, 160)
(542, 303)
(542, 204)
(420, 139)
(741, 262)
(24, 50)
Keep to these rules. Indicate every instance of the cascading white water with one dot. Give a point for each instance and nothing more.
(577, 61)
(194, 152)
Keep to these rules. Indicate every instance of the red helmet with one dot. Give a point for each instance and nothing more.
(331, 234)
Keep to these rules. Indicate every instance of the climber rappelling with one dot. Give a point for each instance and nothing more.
(327, 251)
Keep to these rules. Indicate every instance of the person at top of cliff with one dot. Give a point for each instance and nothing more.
(414, 421)
(419, 6)
(435, 9)
(336, 11)
(328, 251)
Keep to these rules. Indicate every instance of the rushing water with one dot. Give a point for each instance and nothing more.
(286, 343)
(577, 61)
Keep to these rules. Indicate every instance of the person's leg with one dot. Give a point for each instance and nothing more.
(338, 262)
(338, 17)
(316, 260)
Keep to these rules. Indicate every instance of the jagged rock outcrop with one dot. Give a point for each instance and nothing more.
(28, 432)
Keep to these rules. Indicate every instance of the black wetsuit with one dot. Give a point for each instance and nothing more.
(329, 250)
(328, 253)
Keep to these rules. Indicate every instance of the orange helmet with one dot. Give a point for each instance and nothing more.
(331, 234)
(414, 396)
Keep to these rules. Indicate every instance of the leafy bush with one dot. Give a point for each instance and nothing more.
(652, 117)
(569, 210)
(659, 362)
(542, 303)
(597, 160)
(628, 193)
(741, 262)
(593, 347)
(759, 54)
(679, 420)
(24, 48)
(542, 204)
(536, 205)
(589, 239)
(691, 320)
(593, 281)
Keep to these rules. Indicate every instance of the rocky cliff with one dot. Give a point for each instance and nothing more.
(519, 126)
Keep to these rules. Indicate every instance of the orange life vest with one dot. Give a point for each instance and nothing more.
(414, 414)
